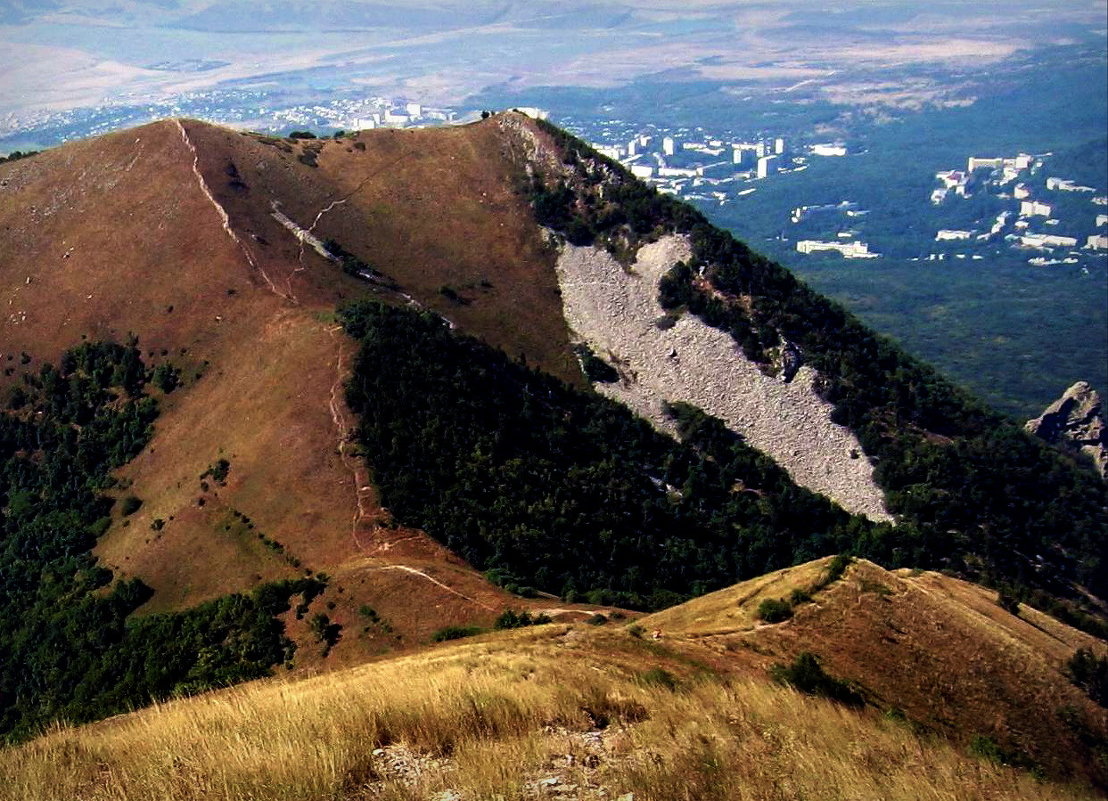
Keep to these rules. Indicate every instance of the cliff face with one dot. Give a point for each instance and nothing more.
(1076, 422)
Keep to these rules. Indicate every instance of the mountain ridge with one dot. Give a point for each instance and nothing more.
(655, 708)
(376, 387)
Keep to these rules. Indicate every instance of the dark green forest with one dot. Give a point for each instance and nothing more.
(976, 492)
(547, 487)
(69, 647)
(16, 155)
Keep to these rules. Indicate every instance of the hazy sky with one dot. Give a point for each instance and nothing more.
(61, 54)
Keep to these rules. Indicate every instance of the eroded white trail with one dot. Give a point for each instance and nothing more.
(344, 427)
(340, 417)
(437, 583)
(363, 488)
(223, 218)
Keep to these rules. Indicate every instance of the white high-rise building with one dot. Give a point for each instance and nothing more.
(668, 146)
(829, 149)
(768, 165)
(779, 145)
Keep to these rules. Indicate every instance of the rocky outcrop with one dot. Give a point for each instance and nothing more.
(615, 311)
(1076, 422)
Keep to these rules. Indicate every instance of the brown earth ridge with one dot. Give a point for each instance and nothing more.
(675, 705)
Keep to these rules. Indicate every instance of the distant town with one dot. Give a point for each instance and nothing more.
(240, 108)
(1042, 217)
(715, 169)
(697, 166)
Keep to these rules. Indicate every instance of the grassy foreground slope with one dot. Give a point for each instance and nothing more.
(572, 712)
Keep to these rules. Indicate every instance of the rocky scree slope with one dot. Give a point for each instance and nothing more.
(615, 311)
(969, 490)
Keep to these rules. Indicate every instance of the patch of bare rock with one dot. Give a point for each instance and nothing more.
(1076, 421)
(615, 311)
(572, 771)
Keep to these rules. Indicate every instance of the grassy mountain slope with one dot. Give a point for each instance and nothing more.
(939, 651)
(147, 255)
(435, 210)
(118, 235)
(573, 711)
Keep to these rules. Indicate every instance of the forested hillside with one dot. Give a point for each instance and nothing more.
(69, 648)
(970, 489)
(558, 489)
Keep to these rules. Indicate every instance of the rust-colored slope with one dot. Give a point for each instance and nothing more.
(146, 232)
(101, 238)
(939, 649)
(149, 254)
(432, 209)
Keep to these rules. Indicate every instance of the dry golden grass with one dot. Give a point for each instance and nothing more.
(940, 650)
(735, 608)
(492, 717)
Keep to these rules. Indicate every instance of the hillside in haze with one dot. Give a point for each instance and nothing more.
(307, 402)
